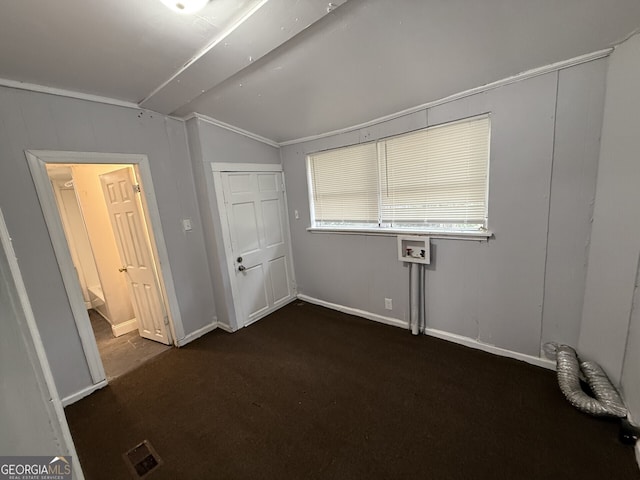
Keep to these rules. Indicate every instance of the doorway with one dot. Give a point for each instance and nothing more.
(114, 263)
(105, 229)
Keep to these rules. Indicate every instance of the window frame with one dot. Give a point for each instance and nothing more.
(472, 234)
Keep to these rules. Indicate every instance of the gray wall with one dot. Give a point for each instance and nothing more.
(615, 248)
(222, 145)
(208, 144)
(28, 421)
(38, 121)
(522, 287)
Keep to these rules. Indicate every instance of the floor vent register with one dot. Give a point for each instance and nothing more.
(142, 460)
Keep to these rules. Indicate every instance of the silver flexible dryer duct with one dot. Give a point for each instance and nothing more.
(602, 388)
(607, 401)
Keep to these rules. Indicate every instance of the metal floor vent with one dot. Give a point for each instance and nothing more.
(142, 460)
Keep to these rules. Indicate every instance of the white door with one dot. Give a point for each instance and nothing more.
(134, 247)
(258, 229)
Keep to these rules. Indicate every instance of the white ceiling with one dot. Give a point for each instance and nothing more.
(115, 48)
(255, 64)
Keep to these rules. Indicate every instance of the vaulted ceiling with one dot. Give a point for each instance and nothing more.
(286, 69)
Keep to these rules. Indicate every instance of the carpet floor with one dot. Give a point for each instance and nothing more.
(310, 393)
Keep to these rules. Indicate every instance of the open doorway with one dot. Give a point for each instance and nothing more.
(109, 241)
(117, 169)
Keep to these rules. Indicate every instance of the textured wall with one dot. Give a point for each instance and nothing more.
(211, 144)
(38, 121)
(544, 151)
(607, 335)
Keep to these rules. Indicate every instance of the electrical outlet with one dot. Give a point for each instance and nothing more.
(388, 304)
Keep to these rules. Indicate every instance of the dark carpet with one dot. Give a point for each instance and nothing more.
(310, 393)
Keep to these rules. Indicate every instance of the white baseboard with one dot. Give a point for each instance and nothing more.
(394, 322)
(198, 333)
(502, 352)
(124, 327)
(451, 337)
(74, 397)
(225, 327)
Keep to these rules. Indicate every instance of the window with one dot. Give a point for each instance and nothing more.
(433, 179)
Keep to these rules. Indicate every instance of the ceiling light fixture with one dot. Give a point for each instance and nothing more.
(185, 7)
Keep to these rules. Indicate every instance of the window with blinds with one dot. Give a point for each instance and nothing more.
(344, 183)
(434, 179)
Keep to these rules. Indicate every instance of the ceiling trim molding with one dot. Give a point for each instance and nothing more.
(33, 87)
(467, 93)
(232, 128)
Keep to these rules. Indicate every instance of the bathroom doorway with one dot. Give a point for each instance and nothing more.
(127, 315)
(132, 298)
(105, 228)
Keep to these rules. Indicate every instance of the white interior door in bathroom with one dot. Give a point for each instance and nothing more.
(138, 267)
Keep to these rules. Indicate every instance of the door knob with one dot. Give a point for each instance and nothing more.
(123, 269)
(242, 268)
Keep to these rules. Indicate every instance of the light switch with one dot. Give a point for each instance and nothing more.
(186, 224)
(296, 214)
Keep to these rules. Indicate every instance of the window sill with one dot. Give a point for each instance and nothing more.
(477, 236)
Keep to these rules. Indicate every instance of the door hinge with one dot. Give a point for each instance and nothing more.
(136, 188)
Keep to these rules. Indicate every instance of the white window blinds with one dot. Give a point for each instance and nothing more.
(345, 186)
(436, 177)
(432, 179)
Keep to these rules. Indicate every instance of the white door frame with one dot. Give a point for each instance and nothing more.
(38, 160)
(218, 168)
